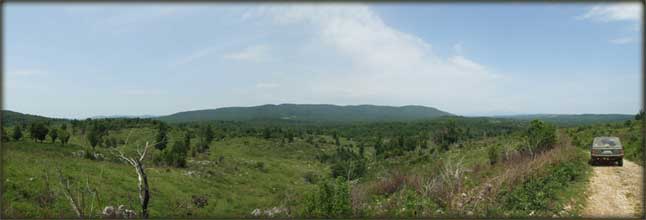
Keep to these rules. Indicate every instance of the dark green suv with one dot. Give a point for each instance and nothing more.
(607, 149)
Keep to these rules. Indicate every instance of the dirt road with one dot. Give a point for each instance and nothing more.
(614, 191)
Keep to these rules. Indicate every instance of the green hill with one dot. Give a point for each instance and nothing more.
(310, 113)
(10, 118)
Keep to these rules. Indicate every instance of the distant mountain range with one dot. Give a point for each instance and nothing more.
(572, 119)
(310, 113)
(123, 116)
(319, 113)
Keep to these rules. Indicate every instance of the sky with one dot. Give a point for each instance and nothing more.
(77, 60)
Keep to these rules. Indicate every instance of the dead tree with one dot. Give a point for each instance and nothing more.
(137, 163)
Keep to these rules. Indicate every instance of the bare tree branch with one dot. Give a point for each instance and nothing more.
(65, 184)
(137, 163)
(143, 155)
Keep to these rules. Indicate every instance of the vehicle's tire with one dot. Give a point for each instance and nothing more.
(620, 162)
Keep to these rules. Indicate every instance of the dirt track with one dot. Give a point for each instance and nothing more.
(614, 191)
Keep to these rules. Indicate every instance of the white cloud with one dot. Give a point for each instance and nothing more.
(614, 12)
(386, 64)
(622, 40)
(251, 53)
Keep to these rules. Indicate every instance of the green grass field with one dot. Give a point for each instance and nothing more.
(239, 174)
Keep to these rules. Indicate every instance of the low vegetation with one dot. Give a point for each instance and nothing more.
(448, 166)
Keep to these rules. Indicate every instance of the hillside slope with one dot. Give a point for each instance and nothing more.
(10, 118)
(310, 112)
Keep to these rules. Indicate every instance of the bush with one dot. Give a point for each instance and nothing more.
(174, 156)
(493, 154)
(540, 136)
(331, 199)
(540, 192)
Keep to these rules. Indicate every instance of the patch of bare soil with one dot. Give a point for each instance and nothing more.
(615, 191)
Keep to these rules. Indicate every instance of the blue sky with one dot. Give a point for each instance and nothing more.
(81, 60)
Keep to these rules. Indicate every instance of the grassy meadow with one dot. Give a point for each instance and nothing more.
(357, 170)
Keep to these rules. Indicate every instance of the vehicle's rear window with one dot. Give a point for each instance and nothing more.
(606, 142)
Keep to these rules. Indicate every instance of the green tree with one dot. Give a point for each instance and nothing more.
(38, 131)
(93, 137)
(290, 136)
(207, 134)
(336, 140)
(162, 137)
(379, 147)
(187, 139)
(176, 154)
(64, 135)
(17, 133)
(540, 136)
(450, 134)
(53, 134)
(266, 133)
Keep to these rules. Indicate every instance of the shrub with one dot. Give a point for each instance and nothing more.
(493, 154)
(173, 156)
(17, 133)
(331, 199)
(539, 193)
(64, 136)
(540, 137)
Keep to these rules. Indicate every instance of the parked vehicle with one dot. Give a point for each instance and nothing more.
(607, 149)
